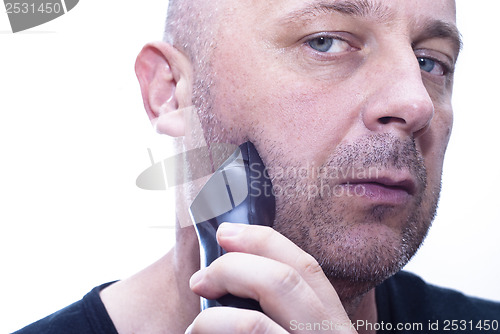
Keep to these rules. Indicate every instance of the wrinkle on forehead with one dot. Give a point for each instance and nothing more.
(361, 8)
(383, 11)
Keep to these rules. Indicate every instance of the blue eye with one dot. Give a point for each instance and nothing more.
(321, 44)
(430, 66)
(328, 45)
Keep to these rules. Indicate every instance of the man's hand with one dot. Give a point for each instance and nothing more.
(263, 265)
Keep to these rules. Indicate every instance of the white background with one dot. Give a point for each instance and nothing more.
(74, 136)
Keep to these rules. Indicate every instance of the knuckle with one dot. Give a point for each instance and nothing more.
(264, 236)
(308, 264)
(287, 280)
(225, 260)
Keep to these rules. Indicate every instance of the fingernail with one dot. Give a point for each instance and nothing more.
(230, 229)
(196, 278)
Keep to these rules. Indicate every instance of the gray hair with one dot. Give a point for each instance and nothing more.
(189, 27)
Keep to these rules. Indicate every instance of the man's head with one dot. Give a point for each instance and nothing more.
(347, 101)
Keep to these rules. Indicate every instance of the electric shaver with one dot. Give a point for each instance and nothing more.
(240, 191)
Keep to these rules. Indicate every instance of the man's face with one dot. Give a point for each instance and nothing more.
(349, 105)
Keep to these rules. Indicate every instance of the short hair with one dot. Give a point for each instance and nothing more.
(188, 27)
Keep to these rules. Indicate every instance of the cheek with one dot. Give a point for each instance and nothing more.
(303, 117)
(434, 142)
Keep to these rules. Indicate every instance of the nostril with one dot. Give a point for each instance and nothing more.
(384, 120)
(389, 119)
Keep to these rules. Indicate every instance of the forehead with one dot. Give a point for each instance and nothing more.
(265, 8)
(270, 11)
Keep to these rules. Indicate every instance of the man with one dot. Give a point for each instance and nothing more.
(357, 92)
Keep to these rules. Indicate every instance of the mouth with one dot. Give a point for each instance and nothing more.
(382, 190)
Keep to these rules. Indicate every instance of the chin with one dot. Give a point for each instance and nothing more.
(363, 256)
(358, 250)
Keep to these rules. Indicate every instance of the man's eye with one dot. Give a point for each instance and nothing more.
(328, 45)
(431, 66)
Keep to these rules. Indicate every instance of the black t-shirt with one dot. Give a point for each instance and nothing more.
(405, 304)
(86, 316)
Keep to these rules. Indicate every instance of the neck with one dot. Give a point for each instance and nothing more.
(363, 309)
(158, 299)
(358, 299)
(186, 261)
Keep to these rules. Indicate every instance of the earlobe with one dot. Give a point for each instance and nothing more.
(164, 75)
(171, 123)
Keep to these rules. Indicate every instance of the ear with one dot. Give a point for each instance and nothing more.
(165, 77)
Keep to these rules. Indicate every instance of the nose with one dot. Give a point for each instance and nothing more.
(397, 97)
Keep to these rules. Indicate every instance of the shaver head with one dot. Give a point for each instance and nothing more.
(240, 191)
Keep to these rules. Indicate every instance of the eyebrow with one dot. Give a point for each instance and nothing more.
(362, 8)
(431, 28)
(440, 29)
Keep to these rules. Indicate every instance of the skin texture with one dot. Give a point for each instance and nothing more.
(369, 117)
(366, 108)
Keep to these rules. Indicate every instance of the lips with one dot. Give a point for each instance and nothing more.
(384, 190)
(405, 184)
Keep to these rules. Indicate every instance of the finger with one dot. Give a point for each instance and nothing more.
(229, 320)
(281, 291)
(266, 242)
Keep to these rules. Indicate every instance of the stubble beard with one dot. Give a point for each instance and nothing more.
(356, 249)
(324, 226)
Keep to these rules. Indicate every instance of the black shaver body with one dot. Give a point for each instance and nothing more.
(240, 191)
